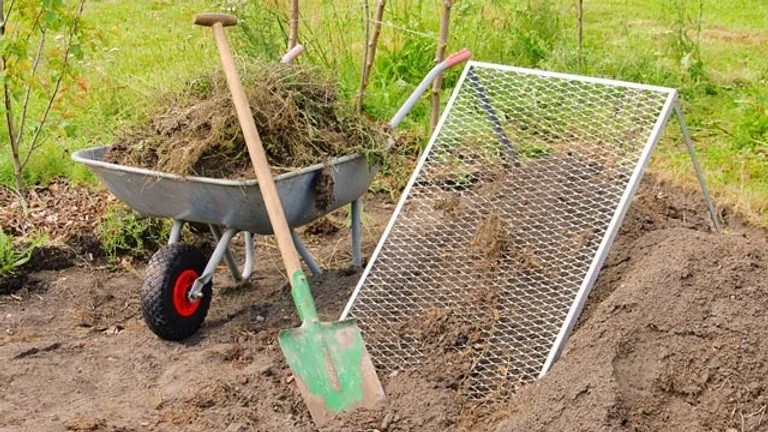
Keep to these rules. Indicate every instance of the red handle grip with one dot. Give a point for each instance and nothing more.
(457, 57)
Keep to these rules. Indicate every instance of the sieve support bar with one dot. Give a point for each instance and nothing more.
(490, 113)
(697, 167)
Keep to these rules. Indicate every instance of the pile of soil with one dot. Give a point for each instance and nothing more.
(673, 338)
(300, 118)
(679, 345)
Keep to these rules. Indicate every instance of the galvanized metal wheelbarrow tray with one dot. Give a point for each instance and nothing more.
(232, 206)
(235, 205)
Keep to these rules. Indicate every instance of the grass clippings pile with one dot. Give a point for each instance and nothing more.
(300, 117)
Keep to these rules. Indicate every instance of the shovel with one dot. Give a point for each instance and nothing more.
(329, 361)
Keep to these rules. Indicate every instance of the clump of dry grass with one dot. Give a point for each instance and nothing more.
(298, 113)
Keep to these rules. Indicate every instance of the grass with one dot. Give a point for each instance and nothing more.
(123, 233)
(13, 255)
(718, 59)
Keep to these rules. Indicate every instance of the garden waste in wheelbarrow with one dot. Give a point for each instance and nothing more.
(229, 207)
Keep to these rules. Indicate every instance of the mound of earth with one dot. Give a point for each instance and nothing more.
(300, 118)
(679, 345)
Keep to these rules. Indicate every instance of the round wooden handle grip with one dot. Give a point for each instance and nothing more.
(209, 19)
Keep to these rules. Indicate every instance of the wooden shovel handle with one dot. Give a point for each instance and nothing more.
(258, 157)
(210, 18)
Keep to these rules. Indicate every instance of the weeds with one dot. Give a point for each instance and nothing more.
(685, 40)
(122, 232)
(13, 255)
(751, 134)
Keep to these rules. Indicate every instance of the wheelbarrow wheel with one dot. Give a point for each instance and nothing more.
(164, 303)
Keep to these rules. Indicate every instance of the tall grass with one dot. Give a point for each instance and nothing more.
(715, 53)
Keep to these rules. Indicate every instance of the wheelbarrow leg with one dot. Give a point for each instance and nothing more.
(178, 224)
(216, 231)
(222, 248)
(357, 258)
(305, 255)
(249, 255)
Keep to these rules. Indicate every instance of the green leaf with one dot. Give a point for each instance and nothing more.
(76, 51)
(51, 19)
(68, 128)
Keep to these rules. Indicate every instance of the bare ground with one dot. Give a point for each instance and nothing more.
(673, 338)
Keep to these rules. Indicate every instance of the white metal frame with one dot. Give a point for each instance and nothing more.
(670, 106)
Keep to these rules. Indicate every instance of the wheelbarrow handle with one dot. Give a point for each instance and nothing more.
(456, 58)
(452, 60)
(292, 54)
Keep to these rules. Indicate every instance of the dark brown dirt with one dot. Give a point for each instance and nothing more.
(300, 119)
(324, 189)
(679, 345)
(672, 339)
(67, 215)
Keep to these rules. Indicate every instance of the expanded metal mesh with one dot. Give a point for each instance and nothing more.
(502, 221)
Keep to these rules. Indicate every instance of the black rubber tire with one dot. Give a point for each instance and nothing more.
(157, 306)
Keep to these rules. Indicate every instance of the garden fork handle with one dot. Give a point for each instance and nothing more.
(253, 142)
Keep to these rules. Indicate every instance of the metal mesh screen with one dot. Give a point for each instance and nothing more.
(503, 220)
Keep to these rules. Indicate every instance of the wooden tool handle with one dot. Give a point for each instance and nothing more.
(209, 19)
(258, 157)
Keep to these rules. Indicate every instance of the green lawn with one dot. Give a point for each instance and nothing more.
(151, 47)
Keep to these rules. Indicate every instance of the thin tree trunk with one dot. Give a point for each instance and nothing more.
(370, 52)
(442, 43)
(373, 43)
(9, 115)
(361, 88)
(2, 17)
(28, 92)
(293, 36)
(580, 13)
(13, 140)
(57, 86)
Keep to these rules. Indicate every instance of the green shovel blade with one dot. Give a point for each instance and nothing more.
(331, 367)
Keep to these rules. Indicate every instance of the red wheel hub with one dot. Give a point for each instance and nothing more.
(181, 288)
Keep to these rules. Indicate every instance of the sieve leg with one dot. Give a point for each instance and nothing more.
(699, 174)
(490, 114)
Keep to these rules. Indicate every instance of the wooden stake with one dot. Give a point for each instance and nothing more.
(293, 36)
(361, 87)
(442, 44)
(370, 53)
(580, 13)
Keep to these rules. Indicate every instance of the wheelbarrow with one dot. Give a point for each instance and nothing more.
(177, 286)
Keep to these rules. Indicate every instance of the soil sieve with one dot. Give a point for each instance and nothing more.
(506, 221)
